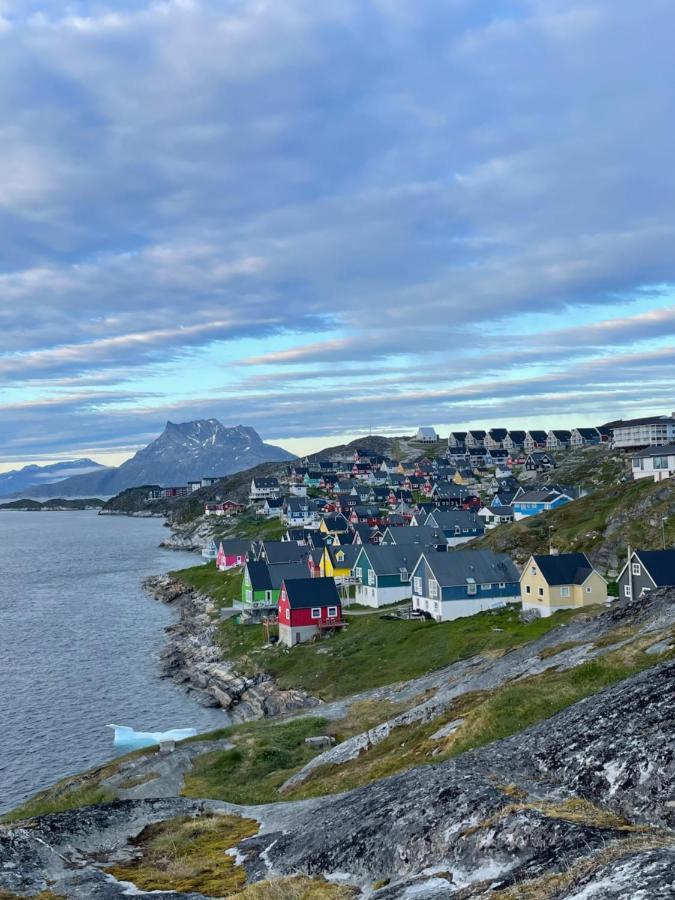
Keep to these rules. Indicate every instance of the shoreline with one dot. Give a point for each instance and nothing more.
(192, 659)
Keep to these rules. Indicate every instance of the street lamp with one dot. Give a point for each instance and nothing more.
(664, 519)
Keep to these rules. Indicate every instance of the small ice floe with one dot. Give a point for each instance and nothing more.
(127, 737)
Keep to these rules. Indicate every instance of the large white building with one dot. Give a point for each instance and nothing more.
(652, 431)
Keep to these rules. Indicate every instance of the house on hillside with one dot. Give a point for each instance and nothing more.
(261, 583)
(648, 570)
(415, 536)
(272, 508)
(585, 437)
(562, 581)
(264, 488)
(231, 554)
(449, 586)
(534, 440)
(494, 439)
(457, 440)
(278, 552)
(308, 607)
(539, 461)
(531, 503)
(656, 463)
(514, 441)
(383, 574)
(458, 525)
(426, 435)
(338, 560)
(475, 439)
(558, 439)
(651, 431)
(300, 511)
(495, 515)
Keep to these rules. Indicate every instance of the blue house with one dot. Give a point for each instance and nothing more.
(531, 503)
(448, 586)
(458, 525)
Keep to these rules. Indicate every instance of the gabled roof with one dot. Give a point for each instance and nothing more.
(303, 593)
(561, 435)
(392, 559)
(269, 578)
(660, 564)
(664, 450)
(234, 547)
(647, 420)
(349, 553)
(540, 496)
(274, 502)
(409, 535)
(265, 482)
(478, 435)
(587, 432)
(283, 552)
(498, 434)
(517, 436)
(538, 436)
(454, 518)
(336, 523)
(565, 568)
(460, 567)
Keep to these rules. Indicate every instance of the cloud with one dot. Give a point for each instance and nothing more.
(396, 184)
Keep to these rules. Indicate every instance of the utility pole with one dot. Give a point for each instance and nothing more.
(664, 519)
(550, 540)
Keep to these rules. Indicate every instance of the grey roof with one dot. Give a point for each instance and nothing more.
(391, 559)
(647, 420)
(461, 566)
(350, 551)
(283, 552)
(266, 482)
(409, 535)
(454, 518)
(234, 547)
(540, 496)
(587, 432)
(306, 592)
(538, 436)
(565, 568)
(269, 578)
(664, 450)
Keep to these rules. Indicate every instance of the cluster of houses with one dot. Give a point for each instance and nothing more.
(183, 490)
(304, 580)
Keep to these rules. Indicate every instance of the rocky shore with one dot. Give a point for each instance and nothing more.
(193, 659)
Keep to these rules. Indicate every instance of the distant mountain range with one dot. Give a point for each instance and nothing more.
(30, 477)
(183, 452)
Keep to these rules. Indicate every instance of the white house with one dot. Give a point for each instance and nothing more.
(426, 435)
(656, 463)
(650, 431)
(265, 488)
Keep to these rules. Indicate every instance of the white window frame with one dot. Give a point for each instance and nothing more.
(332, 612)
(626, 590)
(433, 588)
(564, 590)
(371, 577)
(636, 568)
(541, 592)
(487, 586)
(417, 585)
(471, 588)
(502, 585)
(316, 612)
(528, 589)
(359, 573)
(589, 589)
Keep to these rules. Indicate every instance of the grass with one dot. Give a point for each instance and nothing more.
(44, 805)
(488, 716)
(267, 753)
(189, 854)
(373, 651)
(43, 895)
(297, 887)
(250, 526)
(548, 652)
(222, 587)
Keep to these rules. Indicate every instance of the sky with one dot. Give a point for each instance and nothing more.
(326, 219)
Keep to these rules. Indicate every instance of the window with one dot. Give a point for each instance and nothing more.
(660, 462)
(626, 590)
(541, 592)
(332, 612)
(404, 575)
(471, 587)
(433, 588)
(268, 595)
(564, 592)
(359, 573)
(502, 585)
(533, 570)
(417, 585)
(316, 612)
(638, 464)
(636, 569)
(589, 589)
(528, 589)
(371, 576)
(486, 587)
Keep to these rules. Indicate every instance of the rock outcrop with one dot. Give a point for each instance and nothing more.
(193, 659)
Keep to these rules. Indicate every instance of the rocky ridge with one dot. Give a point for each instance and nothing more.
(193, 659)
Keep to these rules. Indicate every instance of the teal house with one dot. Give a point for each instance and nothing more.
(383, 573)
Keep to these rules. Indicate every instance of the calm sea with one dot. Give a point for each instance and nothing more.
(79, 644)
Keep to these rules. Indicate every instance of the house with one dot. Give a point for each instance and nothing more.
(383, 574)
(272, 508)
(261, 584)
(496, 515)
(534, 440)
(458, 525)
(194, 486)
(539, 461)
(426, 435)
(656, 463)
(415, 536)
(264, 488)
(448, 586)
(457, 440)
(307, 607)
(584, 437)
(494, 439)
(300, 511)
(365, 514)
(531, 503)
(651, 431)
(496, 456)
(227, 507)
(475, 440)
(334, 524)
(562, 581)
(231, 554)
(514, 441)
(277, 552)
(558, 439)
(337, 561)
(645, 571)
(210, 480)
(314, 562)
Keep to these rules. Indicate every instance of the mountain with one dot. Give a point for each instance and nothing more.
(18, 480)
(183, 451)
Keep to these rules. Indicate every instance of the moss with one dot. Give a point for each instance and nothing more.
(297, 887)
(136, 780)
(222, 587)
(186, 854)
(548, 652)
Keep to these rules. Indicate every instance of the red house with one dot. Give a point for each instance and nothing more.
(307, 607)
(231, 553)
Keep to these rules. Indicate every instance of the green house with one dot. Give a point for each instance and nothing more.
(261, 583)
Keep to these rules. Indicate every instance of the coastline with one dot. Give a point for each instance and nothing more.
(193, 660)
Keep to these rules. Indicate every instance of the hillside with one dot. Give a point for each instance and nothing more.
(601, 524)
(183, 451)
(31, 477)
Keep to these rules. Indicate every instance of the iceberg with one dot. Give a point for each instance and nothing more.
(127, 737)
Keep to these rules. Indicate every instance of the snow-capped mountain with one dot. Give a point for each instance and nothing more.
(38, 476)
(183, 452)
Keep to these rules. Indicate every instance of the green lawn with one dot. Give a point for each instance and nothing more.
(372, 651)
(252, 527)
(223, 587)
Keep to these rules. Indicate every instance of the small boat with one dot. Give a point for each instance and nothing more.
(127, 737)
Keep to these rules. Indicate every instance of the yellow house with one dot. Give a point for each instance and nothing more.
(335, 525)
(563, 581)
(337, 562)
